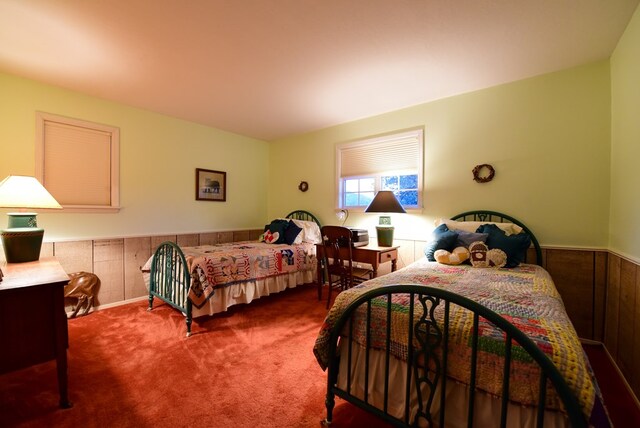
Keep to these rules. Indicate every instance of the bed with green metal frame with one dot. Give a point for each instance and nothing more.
(170, 279)
(359, 347)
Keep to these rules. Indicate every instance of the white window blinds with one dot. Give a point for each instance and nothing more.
(77, 162)
(398, 152)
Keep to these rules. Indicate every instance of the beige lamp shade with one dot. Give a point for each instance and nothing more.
(19, 191)
(22, 239)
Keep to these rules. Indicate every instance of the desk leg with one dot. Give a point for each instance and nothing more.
(320, 278)
(62, 341)
(394, 264)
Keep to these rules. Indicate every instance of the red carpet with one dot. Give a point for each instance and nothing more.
(250, 367)
(622, 409)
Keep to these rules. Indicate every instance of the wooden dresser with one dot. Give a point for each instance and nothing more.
(33, 322)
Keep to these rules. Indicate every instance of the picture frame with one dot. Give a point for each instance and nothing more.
(211, 185)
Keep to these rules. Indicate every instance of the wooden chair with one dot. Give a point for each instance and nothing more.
(338, 261)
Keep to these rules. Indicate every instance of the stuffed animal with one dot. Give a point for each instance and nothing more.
(457, 256)
(482, 256)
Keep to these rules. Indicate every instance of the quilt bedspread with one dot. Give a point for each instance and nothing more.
(526, 296)
(218, 265)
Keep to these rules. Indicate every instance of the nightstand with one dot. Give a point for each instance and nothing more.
(33, 321)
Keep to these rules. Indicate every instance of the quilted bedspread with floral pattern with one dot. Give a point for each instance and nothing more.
(218, 265)
(525, 296)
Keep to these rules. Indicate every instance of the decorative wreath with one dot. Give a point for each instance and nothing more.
(484, 178)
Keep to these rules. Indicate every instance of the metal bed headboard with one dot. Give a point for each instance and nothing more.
(494, 216)
(304, 215)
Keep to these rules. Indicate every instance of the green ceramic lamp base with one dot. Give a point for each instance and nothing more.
(385, 236)
(22, 240)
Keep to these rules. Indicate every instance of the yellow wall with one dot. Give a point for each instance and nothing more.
(625, 143)
(158, 158)
(548, 138)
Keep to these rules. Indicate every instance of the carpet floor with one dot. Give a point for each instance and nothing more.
(252, 366)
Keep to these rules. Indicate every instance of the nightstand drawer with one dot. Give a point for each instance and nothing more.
(388, 256)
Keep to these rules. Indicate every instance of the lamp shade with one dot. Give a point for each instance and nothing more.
(22, 239)
(385, 202)
(18, 191)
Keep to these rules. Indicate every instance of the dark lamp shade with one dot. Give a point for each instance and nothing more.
(385, 202)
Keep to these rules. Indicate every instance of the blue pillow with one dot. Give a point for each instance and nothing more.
(465, 239)
(279, 226)
(291, 233)
(514, 246)
(443, 239)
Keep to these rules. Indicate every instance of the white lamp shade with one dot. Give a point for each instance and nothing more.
(18, 191)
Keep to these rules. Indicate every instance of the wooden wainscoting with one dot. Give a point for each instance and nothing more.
(117, 262)
(622, 320)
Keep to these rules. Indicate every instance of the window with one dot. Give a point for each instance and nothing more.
(391, 162)
(78, 162)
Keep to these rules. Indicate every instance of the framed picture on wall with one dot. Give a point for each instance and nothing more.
(211, 185)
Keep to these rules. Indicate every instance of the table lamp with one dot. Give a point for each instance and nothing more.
(22, 239)
(385, 202)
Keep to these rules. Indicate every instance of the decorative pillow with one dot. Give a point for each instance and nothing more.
(443, 239)
(457, 256)
(310, 231)
(291, 233)
(515, 246)
(465, 239)
(472, 226)
(482, 256)
(270, 237)
(279, 227)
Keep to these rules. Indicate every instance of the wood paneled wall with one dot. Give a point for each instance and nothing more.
(622, 319)
(117, 262)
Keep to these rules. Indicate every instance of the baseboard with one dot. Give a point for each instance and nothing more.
(615, 366)
(115, 304)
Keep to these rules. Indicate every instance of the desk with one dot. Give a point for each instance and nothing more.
(370, 254)
(33, 322)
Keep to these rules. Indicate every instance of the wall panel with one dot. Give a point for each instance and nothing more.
(157, 240)
(136, 253)
(74, 256)
(572, 273)
(191, 240)
(612, 306)
(635, 380)
(626, 317)
(600, 284)
(108, 265)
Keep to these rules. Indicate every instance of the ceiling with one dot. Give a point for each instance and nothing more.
(269, 69)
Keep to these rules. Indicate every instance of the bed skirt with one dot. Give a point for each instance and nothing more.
(245, 292)
(486, 407)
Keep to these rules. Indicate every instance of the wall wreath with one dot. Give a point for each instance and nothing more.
(483, 173)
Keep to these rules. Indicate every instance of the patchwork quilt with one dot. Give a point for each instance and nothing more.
(525, 296)
(219, 265)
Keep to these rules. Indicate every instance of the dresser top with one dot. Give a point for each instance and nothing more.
(47, 270)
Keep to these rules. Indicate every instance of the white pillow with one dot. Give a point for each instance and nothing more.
(310, 232)
(472, 226)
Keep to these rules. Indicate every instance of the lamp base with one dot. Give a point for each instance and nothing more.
(22, 244)
(385, 236)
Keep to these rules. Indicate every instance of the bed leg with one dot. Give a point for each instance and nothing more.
(329, 403)
(189, 320)
(150, 302)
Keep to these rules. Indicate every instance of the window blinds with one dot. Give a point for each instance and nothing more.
(73, 155)
(399, 152)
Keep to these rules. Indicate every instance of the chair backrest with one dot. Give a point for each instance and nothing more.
(336, 241)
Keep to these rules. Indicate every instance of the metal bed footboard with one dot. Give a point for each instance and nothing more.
(170, 280)
(425, 366)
